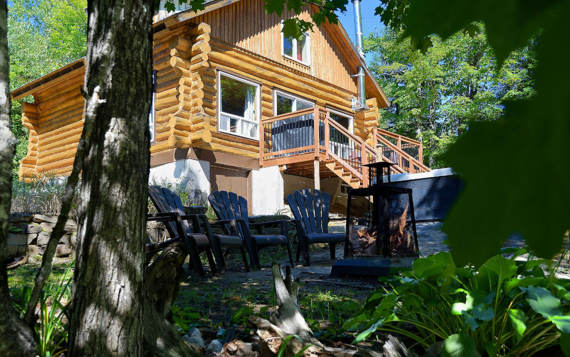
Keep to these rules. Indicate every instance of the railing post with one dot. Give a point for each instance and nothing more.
(261, 142)
(421, 153)
(400, 147)
(327, 134)
(375, 143)
(363, 161)
(316, 129)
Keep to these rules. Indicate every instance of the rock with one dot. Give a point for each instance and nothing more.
(47, 227)
(239, 348)
(73, 240)
(34, 251)
(62, 250)
(65, 240)
(194, 337)
(32, 238)
(215, 346)
(43, 238)
(39, 218)
(33, 228)
(70, 226)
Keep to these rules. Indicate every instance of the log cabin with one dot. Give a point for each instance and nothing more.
(239, 107)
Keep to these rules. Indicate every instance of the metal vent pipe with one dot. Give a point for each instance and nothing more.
(359, 47)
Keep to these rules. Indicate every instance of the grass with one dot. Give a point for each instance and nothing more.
(222, 310)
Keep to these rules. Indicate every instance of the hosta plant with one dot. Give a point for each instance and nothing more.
(506, 307)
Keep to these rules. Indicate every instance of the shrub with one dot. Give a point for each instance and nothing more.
(504, 308)
(43, 194)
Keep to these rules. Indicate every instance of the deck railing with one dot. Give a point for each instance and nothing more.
(405, 152)
(311, 134)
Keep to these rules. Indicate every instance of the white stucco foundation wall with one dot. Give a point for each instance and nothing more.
(192, 175)
(267, 191)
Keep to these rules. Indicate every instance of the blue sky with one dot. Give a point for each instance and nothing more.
(370, 22)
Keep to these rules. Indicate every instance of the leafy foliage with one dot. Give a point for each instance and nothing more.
(498, 160)
(43, 35)
(51, 330)
(437, 94)
(504, 308)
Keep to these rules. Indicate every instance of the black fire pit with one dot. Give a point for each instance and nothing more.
(384, 238)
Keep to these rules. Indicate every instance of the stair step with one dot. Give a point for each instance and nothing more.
(354, 179)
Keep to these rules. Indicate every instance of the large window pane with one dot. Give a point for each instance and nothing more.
(238, 98)
(342, 120)
(284, 105)
(287, 46)
(301, 104)
(302, 49)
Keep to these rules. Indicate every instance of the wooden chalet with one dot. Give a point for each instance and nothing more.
(237, 107)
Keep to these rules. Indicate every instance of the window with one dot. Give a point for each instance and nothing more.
(340, 145)
(297, 50)
(151, 114)
(343, 119)
(238, 106)
(286, 103)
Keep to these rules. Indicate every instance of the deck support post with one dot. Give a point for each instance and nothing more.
(317, 174)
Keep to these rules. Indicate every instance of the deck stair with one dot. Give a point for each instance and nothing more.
(288, 140)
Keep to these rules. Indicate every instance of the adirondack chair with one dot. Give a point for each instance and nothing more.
(195, 231)
(311, 211)
(231, 208)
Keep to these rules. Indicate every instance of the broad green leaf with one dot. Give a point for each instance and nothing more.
(436, 266)
(518, 322)
(499, 160)
(495, 271)
(458, 345)
(546, 304)
(483, 312)
(510, 22)
(369, 331)
(458, 308)
(565, 344)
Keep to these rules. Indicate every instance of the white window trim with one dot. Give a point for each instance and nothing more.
(151, 119)
(307, 62)
(346, 115)
(290, 96)
(257, 104)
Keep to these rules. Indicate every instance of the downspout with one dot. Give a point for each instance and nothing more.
(360, 48)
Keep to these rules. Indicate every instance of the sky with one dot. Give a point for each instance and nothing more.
(370, 23)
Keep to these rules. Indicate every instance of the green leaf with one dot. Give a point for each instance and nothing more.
(546, 304)
(496, 270)
(518, 322)
(483, 312)
(458, 308)
(565, 344)
(437, 266)
(458, 345)
(369, 331)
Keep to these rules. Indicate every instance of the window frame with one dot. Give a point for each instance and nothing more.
(152, 114)
(294, 44)
(346, 115)
(277, 92)
(219, 104)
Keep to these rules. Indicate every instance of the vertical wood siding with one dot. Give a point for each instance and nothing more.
(261, 33)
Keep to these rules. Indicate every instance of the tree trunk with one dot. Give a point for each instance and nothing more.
(107, 310)
(17, 338)
(161, 282)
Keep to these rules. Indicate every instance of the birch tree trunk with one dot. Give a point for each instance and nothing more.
(16, 337)
(107, 310)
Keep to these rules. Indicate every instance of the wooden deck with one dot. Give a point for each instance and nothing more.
(310, 143)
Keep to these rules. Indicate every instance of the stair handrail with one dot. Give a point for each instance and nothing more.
(402, 152)
(403, 139)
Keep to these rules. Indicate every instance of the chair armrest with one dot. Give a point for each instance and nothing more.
(269, 223)
(162, 217)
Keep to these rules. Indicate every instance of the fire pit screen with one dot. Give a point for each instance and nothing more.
(387, 228)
